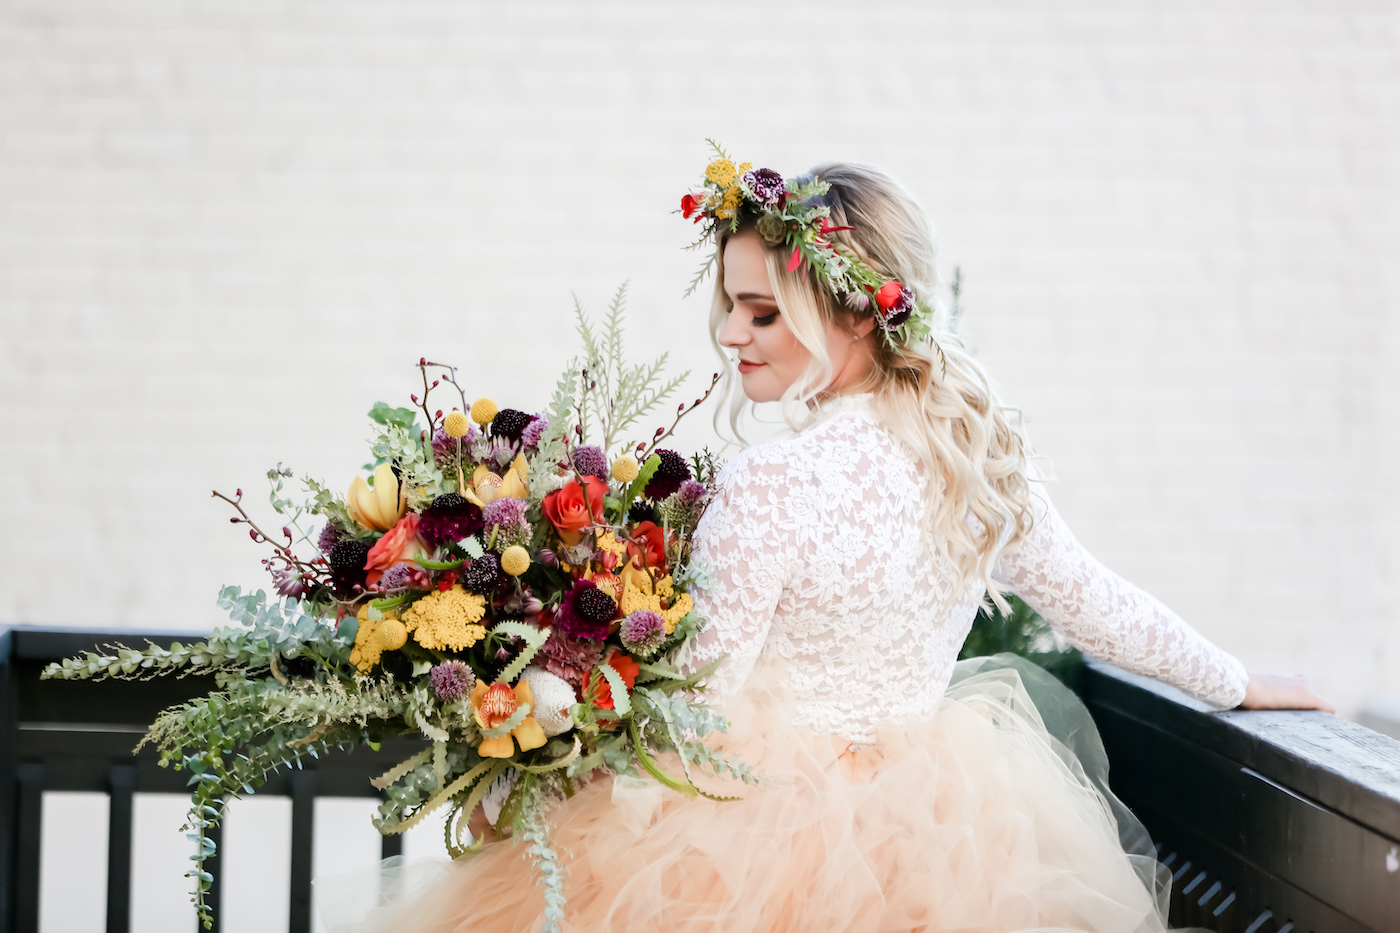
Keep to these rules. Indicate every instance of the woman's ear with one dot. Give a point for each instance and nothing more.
(861, 327)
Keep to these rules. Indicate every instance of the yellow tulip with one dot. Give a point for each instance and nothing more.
(493, 705)
(380, 508)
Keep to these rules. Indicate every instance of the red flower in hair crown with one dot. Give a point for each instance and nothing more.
(796, 215)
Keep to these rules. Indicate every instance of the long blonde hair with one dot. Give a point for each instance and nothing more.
(971, 446)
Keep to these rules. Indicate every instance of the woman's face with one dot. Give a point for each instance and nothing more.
(770, 357)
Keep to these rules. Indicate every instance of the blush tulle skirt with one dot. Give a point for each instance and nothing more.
(994, 815)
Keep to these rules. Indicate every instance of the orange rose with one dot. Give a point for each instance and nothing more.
(570, 509)
(399, 544)
(648, 546)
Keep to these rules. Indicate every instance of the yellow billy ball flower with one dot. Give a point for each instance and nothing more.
(625, 468)
(391, 634)
(484, 411)
(455, 424)
(515, 560)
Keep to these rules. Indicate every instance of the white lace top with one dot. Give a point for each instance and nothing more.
(814, 543)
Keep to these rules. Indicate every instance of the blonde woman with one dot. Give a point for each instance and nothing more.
(903, 791)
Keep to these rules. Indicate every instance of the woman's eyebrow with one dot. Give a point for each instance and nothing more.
(752, 296)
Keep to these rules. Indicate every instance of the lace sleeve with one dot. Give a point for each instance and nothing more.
(1106, 616)
(747, 555)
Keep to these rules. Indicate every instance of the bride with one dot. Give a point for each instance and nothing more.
(903, 790)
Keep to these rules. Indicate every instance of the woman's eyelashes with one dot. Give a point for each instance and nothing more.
(765, 320)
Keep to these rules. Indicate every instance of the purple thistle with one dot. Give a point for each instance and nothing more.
(643, 632)
(504, 511)
(403, 574)
(766, 185)
(591, 461)
(451, 680)
(691, 492)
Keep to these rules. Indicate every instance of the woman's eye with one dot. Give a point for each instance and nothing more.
(765, 320)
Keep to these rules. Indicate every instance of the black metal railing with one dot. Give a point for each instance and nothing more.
(1270, 822)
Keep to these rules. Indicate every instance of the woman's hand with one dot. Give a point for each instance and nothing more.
(1282, 691)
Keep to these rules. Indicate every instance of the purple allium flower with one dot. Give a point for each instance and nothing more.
(451, 680)
(767, 185)
(445, 448)
(449, 518)
(569, 658)
(643, 632)
(534, 432)
(691, 492)
(591, 461)
(403, 574)
(507, 516)
(583, 613)
(668, 477)
(329, 538)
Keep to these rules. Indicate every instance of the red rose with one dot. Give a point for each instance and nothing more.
(648, 545)
(690, 205)
(626, 668)
(569, 512)
(888, 295)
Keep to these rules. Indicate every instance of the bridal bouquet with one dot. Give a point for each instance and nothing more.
(499, 585)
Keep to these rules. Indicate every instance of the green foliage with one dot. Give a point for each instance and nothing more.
(611, 391)
(1023, 632)
(399, 445)
(385, 414)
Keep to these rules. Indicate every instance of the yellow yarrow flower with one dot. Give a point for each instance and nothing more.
(625, 468)
(730, 204)
(745, 167)
(484, 411)
(721, 172)
(515, 560)
(607, 541)
(455, 424)
(447, 620)
(373, 638)
(638, 592)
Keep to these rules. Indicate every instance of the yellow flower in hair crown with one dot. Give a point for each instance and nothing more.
(798, 215)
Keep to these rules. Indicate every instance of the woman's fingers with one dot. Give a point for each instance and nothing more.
(1283, 691)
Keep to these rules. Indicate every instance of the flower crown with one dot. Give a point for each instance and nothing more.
(798, 215)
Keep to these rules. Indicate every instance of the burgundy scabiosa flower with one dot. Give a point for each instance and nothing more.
(586, 611)
(510, 423)
(450, 518)
(643, 632)
(347, 560)
(451, 680)
(766, 185)
(481, 574)
(591, 461)
(668, 476)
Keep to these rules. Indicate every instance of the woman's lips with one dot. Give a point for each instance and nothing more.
(746, 367)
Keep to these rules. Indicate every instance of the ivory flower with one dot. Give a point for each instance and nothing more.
(495, 704)
(380, 508)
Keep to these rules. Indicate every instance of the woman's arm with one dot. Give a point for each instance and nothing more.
(743, 545)
(1106, 616)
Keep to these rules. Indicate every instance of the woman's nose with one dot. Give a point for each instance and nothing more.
(733, 333)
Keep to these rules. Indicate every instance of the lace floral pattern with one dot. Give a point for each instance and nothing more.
(815, 544)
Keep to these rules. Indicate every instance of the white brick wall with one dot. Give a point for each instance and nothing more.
(227, 228)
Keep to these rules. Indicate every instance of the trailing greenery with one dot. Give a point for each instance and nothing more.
(1023, 632)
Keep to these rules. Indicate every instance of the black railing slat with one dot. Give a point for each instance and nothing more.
(29, 831)
(303, 784)
(390, 845)
(121, 786)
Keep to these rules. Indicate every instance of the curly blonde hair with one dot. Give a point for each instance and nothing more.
(971, 446)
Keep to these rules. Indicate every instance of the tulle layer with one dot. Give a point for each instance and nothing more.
(992, 816)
